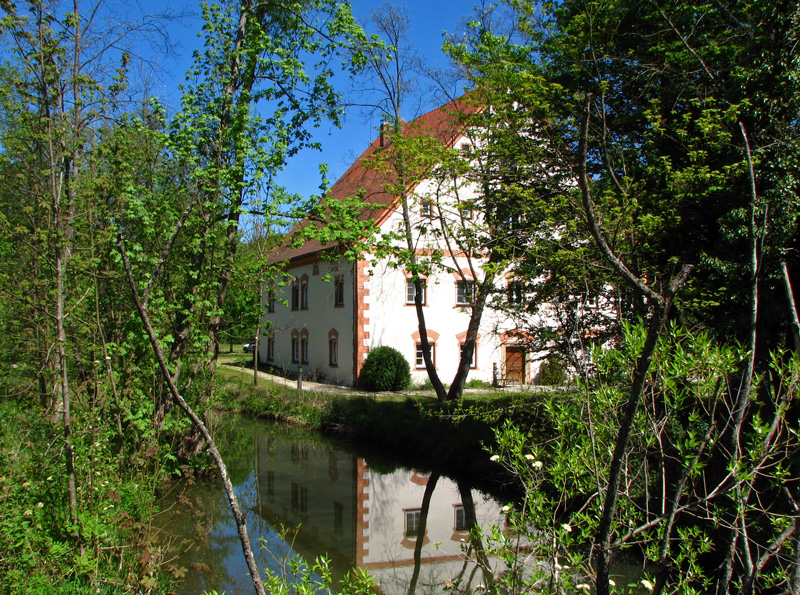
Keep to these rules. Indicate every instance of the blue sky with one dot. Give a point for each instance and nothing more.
(429, 20)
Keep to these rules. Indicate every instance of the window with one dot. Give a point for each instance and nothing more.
(333, 351)
(270, 348)
(295, 295)
(338, 291)
(460, 518)
(465, 147)
(411, 291)
(426, 208)
(516, 293)
(304, 294)
(465, 292)
(271, 301)
(474, 363)
(304, 350)
(413, 518)
(420, 360)
(295, 350)
(466, 211)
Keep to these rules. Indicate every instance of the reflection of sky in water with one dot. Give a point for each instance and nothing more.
(358, 516)
(271, 550)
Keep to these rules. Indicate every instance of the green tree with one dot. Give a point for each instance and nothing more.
(248, 109)
(650, 140)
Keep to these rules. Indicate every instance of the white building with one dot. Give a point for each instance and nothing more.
(330, 313)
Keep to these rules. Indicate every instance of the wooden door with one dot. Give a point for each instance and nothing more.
(515, 365)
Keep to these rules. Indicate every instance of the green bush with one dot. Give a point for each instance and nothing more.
(385, 369)
(553, 371)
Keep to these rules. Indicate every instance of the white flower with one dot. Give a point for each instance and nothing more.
(612, 583)
(647, 584)
(529, 457)
(494, 458)
(567, 527)
(583, 587)
(506, 509)
(538, 464)
(39, 505)
(28, 513)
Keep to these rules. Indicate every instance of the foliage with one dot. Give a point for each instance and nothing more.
(553, 371)
(115, 191)
(677, 497)
(39, 554)
(385, 369)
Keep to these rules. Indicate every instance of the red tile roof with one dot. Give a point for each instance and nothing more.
(441, 123)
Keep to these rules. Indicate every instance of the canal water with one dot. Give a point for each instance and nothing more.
(308, 496)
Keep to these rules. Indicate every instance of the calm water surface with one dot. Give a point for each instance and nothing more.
(306, 495)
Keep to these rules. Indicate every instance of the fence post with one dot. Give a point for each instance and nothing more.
(299, 378)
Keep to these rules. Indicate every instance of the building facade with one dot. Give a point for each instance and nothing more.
(329, 312)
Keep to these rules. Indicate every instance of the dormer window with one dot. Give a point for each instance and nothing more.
(426, 208)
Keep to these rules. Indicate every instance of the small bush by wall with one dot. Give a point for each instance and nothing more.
(553, 371)
(385, 369)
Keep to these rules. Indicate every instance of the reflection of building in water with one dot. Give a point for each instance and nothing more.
(312, 486)
(366, 519)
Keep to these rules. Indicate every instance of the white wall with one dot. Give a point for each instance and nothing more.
(318, 319)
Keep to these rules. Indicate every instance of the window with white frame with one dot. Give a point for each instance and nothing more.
(413, 518)
(411, 291)
(474, 363)
(465, 292)
(420, 359)
(304, 349)
(426, 208)
(460, 521)
(270, 348)
(333, 351)
(304, 294)
(296, 350)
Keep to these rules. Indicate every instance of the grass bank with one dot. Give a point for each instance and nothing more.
(415, 429)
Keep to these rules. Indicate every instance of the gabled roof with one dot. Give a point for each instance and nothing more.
(442, 123)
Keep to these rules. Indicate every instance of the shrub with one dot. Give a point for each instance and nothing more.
(553, 371)
(385, 369)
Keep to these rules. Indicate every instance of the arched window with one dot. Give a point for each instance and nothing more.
(304, 292)
(304, 346)
(333, 348)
